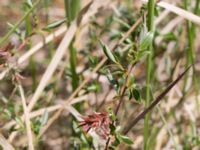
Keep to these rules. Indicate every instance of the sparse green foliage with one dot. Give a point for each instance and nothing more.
(55, 24)
(124, 139)
(96, 83)
(146, 39)
(108, 52)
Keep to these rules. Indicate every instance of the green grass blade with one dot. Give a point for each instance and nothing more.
(3, 39)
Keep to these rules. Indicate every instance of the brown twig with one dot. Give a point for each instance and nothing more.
(122, 92)
(104, 99)
(154, 103)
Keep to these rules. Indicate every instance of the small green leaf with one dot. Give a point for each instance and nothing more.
(108, 52)
(112, 114)
(19, 122)
(112, 147)
(131, 80)
(55, 24)
(36, 126)
(128, 41)
(83, 138)
(169, 36)
(122, 22)
(124, 139)
(29, 3)
(4, 99)
(116, 141)
(146, 40)
(136, 94)
(93, 60)
(94, 87)
(44, 118)
(112, 129)
(112, 81)
(142, 53)
(75, 127)
(115, 34)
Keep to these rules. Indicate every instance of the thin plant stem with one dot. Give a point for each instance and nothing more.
(72, 7)
(46, 5)
(27, 118)
(167, 127)
(123, 89)
(193, 28)
(150, 23)
(32, 63)
(3, 39)
(190, 52)
(191, 55)
(122, 92)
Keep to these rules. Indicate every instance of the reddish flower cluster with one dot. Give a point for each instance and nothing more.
(99, 122)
